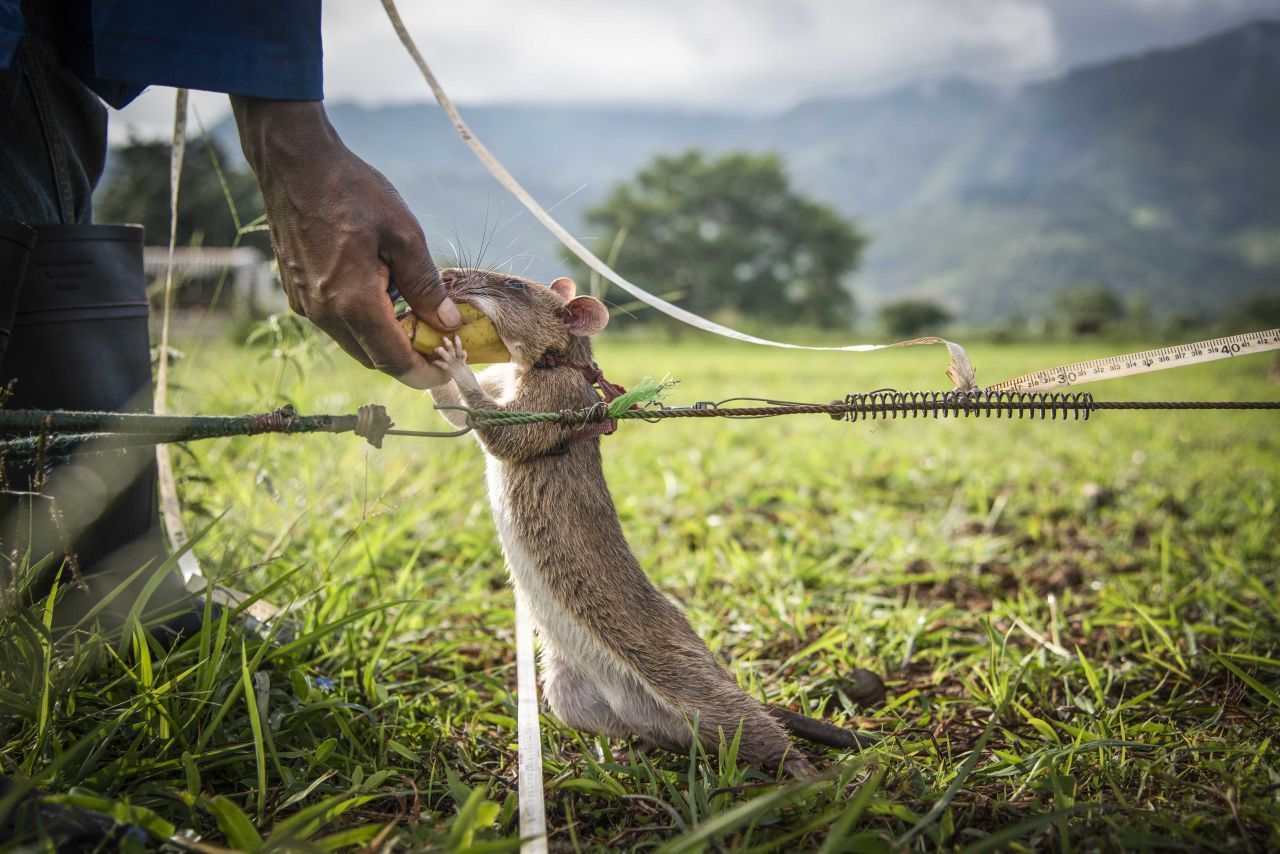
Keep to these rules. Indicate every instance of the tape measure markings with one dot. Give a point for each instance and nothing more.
(1147, 361)
(533, 816)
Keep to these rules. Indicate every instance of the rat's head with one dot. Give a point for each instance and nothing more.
(531, 318)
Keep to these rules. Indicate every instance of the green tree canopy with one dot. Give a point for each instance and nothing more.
(731, 235)
(910, 318)
(136, 190)
(1088, 309)
(1260, 311)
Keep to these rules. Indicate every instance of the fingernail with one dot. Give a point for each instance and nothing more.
(447, 313)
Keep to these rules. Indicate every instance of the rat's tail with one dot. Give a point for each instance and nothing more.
(819, 732)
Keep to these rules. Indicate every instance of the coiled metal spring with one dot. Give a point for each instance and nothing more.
(888, 403)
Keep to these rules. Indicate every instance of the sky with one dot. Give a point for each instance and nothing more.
(724, 55)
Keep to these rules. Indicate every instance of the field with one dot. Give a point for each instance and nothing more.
(1078, 623)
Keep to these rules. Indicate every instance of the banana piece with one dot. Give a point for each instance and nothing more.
(479, 336)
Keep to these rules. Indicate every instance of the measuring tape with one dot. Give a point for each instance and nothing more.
(170, 506)
(1114, 367)
(533, 815)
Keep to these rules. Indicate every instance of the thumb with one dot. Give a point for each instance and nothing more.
(416, 277)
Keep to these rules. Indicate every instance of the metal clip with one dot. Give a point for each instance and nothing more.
(373, 423)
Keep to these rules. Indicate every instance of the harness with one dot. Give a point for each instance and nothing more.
(592, 373)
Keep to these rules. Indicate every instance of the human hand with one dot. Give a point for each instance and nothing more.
(342, 234)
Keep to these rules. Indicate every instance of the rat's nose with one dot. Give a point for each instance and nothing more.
(454, 280)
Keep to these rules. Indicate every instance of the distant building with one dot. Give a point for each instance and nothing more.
(239, 282)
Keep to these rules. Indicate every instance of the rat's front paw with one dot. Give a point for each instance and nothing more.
(453, 359)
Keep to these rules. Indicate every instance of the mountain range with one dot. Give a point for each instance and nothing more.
(1158, 175)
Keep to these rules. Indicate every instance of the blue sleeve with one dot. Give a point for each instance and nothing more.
(10, 31)
(258, 48)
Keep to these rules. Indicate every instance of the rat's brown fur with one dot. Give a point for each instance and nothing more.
(618, 657)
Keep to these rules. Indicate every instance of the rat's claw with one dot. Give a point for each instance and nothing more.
(452, 358)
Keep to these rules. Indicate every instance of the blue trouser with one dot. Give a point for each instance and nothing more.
(53, 136)
(79, 336)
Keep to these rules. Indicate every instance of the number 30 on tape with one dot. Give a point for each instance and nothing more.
(1147, 361)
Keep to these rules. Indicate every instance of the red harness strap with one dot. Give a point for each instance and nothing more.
(594, 375)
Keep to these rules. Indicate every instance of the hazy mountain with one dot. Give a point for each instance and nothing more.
(1159, 175)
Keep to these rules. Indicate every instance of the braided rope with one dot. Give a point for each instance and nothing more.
(59, 433)
(1186, 404)
(907, 404)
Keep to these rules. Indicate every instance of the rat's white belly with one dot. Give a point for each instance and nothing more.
(557, 628)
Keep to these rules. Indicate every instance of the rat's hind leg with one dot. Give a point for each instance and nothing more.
(620, 707)
(625, 707)
(576, 700)
(764, 743)
(719, 707)
(580, 703)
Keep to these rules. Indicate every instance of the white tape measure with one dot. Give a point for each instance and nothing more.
(1114, 367)
(533, 817)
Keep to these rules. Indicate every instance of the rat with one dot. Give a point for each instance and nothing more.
(618, 657)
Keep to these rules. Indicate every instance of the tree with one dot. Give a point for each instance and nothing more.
(1260, 311)
(1088, 309)
(910, 318)
(731, 235)
(136, 190)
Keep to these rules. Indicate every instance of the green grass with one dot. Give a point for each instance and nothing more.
(1079, 623)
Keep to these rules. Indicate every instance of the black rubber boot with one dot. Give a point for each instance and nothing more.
(35, 824)
(16, 243)
(79, 341)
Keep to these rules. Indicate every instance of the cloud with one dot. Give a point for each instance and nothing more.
(1096, 31)
(728, 54)
(719, 54)
(151, 115)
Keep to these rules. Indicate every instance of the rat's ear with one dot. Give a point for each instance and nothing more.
(585, 316)
(565, 288)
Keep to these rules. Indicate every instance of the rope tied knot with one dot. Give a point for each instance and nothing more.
(276, 421)
(372, 423)
(596, 413)
(594, 421)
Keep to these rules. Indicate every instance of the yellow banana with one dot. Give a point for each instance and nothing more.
(479, 336)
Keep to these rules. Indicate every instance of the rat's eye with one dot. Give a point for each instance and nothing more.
(515, 283)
